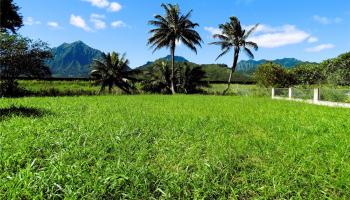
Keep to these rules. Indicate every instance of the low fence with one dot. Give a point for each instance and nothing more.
(319, 96)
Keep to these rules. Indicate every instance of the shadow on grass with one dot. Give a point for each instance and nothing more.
(21, 112)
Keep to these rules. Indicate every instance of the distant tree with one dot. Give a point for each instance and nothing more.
(21, 57)
(308, 74)
(234, 37)
(273, 75)
(158, 78)
(10, 19)
(112, 69)
(188, 78)
(337, 70)
(171, 28)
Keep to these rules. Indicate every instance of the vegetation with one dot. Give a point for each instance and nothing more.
(112, 69)
(234, 37)
(336, 70)
(188, 78)
(307, 74)
(10, 19)
(170, 29)
(273, 75)
(141, 147)
(73, 60)
(20, 56)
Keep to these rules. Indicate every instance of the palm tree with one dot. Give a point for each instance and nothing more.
(112, 69)
(234, 37)
(170, 29)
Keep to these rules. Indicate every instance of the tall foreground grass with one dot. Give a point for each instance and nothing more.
(144, 147)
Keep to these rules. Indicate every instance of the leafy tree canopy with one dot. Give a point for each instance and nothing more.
(273, 75)
(10, 19)
(21, 57)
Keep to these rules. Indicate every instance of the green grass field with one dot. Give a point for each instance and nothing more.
(169, 147)
(77, 88)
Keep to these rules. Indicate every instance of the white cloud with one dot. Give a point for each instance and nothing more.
(53, 24)
(118, 24)
(79, 22)
(273, 37)
(98, 22)
(30, 21)
(115, 7)
(312, 39)
(212, 30)
(111, 6)
(326, 20)
(99, 3)
(320, 48)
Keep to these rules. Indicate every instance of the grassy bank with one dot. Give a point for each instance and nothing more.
(142, 147)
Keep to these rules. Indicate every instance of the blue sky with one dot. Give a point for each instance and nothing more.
(311, 30)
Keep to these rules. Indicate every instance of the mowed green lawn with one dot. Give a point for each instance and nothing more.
(145, 147)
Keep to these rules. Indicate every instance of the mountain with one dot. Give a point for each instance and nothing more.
(72, 60)
(249, 66)
(167, 58)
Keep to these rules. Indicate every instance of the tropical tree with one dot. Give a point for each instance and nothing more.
(10, 19)
(112, 69)
(273, 75)
(21, 57)
(308, 74)
(189, 78)
(233, 36)
(170, 29)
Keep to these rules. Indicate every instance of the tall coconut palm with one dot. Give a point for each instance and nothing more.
(170, 29)
(112, 69)
(233, 36)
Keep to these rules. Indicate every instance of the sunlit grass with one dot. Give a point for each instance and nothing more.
(141, 147)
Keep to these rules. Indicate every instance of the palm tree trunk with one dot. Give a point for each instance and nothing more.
(233, 69)
(172, 78)
(110, 86)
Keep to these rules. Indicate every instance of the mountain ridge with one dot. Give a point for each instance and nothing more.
(73, 60)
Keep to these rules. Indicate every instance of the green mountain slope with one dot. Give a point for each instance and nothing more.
(249, 66)
(72, 60)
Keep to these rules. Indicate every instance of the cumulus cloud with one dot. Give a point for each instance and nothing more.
(212, 30)
(79, 22)
(53, 24)
(312, 39)
(118, 24)
(320, 48)
(98, 22)
(272, 37)
(99, 3)
(326, 20)
(30, 21)
(115, 7)
(111, 6)
(279, 36)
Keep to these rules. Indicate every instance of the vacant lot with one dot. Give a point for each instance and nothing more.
(172, 147)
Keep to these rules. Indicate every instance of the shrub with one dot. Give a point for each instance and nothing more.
(273, 75)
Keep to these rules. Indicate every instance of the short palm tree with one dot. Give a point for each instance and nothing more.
(170, 29)
(112, 69)
(234, 37)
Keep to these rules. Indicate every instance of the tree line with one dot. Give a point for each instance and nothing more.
(113, 69)
(335, 71)
(23, 57)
